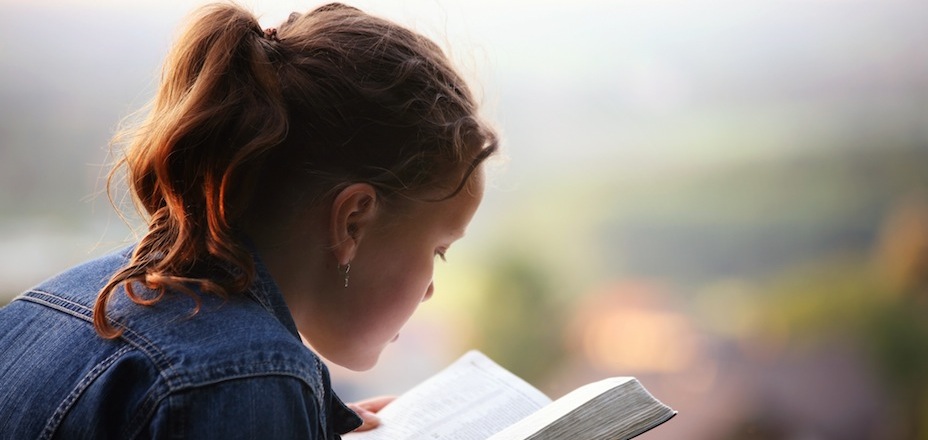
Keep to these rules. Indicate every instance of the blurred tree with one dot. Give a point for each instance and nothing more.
(897, 337)
(881, 306)
(898, 333)
(521, 322)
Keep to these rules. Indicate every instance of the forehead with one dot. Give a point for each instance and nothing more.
(461, 208)
(447, 217)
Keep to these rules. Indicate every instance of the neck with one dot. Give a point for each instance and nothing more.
(300, 265)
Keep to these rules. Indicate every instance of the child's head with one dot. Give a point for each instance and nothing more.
(319, 134)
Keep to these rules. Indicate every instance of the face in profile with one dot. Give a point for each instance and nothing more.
(391, 273)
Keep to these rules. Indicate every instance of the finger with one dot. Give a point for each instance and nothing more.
(369, 420)
(375, 404)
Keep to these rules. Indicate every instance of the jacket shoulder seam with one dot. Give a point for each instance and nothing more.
(81, 311)
(52, 425)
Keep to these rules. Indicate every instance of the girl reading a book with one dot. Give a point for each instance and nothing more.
(298, 184)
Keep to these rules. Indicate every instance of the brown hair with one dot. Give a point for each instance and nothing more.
(331, 97)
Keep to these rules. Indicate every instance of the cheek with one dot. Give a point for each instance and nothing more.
(396, 286)
(406, 274)
(412, 283)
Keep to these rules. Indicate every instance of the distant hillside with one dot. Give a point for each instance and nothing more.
(752, 219)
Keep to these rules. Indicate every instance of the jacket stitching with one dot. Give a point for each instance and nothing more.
(80, 311)
(78, 390)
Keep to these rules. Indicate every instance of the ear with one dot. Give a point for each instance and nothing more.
(354, 209)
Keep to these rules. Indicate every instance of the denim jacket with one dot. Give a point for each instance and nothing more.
(235, 370)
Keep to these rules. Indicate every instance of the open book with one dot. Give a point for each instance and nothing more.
(476, 399)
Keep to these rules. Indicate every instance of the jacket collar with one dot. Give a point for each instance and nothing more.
(265, 291)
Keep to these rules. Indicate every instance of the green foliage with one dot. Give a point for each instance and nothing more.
(822, 303)
(521, 322)
(897, 336)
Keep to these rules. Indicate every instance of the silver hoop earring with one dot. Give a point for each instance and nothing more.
(347, 268)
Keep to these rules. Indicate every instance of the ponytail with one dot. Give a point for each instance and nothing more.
(192, 161)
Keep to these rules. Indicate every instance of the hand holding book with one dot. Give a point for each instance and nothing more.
(367, 409)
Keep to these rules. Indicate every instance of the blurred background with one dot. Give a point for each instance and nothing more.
(727, 199)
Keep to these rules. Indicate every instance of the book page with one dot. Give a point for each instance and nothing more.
(471, 399)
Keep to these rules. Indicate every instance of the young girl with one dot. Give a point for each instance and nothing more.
(298, 182)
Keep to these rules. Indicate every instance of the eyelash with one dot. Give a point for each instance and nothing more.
(441, 254)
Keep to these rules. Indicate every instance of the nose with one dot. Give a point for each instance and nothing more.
(429, 292)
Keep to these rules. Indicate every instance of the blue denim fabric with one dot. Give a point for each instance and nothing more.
(235, 370)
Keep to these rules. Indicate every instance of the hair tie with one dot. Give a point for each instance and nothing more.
(271, 34)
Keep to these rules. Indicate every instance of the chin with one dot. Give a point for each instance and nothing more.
(357, 361)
